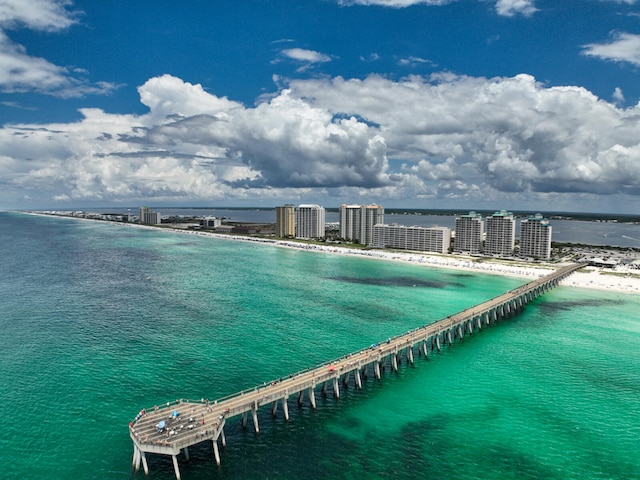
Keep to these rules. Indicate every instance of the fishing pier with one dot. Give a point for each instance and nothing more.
(171, 428)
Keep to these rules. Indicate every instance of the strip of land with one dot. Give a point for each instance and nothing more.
(620, 279)
(624, 280)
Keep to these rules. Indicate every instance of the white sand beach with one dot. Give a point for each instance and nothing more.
(617, 280)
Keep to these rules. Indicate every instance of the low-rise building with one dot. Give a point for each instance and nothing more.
(424, 239)
(211, 222)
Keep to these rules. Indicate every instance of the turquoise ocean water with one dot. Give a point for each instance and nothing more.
(100, 320)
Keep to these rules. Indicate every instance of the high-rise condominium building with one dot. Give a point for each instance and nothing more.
(535, 237)
(433, 239)
(147, 217)
(501, 234)
(310, 221)
(468, 233)
(285, 221)
(349, 222)
(370, 215)
(357, 221)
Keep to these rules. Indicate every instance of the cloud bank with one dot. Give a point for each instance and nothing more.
(411, 141)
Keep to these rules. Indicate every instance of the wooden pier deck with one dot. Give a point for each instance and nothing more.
(189, 422)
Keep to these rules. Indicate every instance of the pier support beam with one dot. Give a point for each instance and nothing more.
(145, 467)
(336, 388)
(356, 374)
(285, 408)
(244, 420)
(410, 354)
(254, 414)
(223, 439)
(312, 397)
(394, 362)
(425, 349)
(274, 408)
(175, 466)
(300, 395)
(186, 453)
(376, 369)
(449, 337)
(136, 458)
(216, 452)
(438, 342)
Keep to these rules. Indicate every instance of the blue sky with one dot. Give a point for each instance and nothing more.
(467, 104)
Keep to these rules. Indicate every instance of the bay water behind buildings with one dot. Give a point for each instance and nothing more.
(100, 320)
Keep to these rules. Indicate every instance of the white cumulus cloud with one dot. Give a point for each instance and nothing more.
(618, 96)
(510, 8)
(507, 8)
(21, 72)
(623, 47)
(47, 15)
(475, 139)
(303, 55)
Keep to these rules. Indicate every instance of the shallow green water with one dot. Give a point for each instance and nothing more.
(100, 320)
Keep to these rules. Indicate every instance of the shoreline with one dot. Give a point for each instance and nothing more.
(595, 278)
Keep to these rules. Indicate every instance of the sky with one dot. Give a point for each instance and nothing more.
(434, 104)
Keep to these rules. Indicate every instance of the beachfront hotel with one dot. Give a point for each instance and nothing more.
(500, 234)
(285, 221)
(431, 239)
(357, 222)
(535, 237)
(469, 229)
(310, 221)
(147, 217)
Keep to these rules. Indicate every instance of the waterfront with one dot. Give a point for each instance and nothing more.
(618, 234)
(104, 320)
